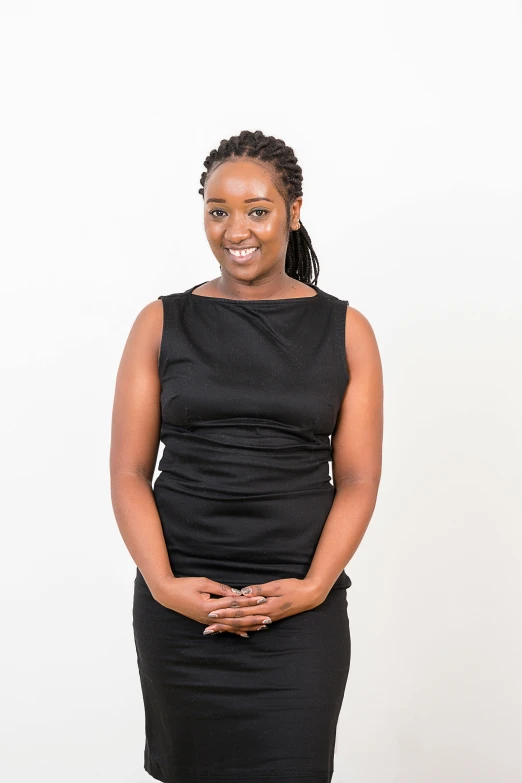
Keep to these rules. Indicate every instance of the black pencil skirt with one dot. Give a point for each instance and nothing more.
(227, 708)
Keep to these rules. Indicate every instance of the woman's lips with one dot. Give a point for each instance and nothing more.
(241, 259)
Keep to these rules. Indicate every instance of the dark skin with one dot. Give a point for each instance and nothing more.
(230, 220)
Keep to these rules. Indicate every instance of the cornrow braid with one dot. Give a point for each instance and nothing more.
(301, 261)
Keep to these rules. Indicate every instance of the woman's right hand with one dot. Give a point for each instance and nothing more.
(191, 596)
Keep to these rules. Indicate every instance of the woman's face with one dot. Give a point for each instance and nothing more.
(243, 209)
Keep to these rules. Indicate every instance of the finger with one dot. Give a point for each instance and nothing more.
(245, 611)
(218, 604)
(209, 632)
(217, 588)
(239, 624)
(217, 631)
(266, 588)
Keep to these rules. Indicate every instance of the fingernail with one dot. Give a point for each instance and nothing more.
(261, 600)
(262, 628)
(212, 614)
(246, 590)
(267, 621)
(235, 590)
(244, 634)
(207, 631)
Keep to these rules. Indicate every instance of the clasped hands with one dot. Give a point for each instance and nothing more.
(238, 611)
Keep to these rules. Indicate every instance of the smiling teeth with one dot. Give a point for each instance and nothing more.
(244, 252)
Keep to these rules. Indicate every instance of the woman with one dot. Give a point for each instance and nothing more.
(244, 378)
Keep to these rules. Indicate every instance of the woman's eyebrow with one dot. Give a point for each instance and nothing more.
(247, 200)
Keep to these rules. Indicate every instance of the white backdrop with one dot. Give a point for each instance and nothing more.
(406, 119)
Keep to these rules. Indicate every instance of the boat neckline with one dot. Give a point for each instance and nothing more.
(254, 301)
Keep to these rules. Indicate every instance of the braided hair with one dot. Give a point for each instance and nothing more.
(301, 261)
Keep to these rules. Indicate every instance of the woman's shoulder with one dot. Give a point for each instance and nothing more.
(360, 339)
(150, 315)
(144, 338)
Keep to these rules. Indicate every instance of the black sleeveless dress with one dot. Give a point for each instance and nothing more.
(250, 393)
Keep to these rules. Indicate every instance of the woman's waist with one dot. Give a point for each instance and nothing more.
(254, 529)
(225, 472)
(242, 539)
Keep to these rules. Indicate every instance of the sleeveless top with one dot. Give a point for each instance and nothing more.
(250, 393)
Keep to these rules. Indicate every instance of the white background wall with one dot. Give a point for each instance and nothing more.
(406, 120)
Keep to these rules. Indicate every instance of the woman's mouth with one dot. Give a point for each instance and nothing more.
(245, 254)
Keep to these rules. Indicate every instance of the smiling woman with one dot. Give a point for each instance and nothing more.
(262, 181)
(254, 381)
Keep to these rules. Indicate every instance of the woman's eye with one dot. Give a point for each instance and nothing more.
(263, 212)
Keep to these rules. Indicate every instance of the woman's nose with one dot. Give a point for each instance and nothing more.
(237, 230)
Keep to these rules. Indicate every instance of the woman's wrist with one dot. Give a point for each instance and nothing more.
(316, 589)
(160, 583)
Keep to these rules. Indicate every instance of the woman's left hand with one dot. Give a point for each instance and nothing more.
(284, 597)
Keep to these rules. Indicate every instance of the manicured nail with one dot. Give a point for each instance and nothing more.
(261, 628)
(208, 630)
(244, 634)
(267, 621)
(235, 590)
(212, 614)
(246, 590)
(261, 600)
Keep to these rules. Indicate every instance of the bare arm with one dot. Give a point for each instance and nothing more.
(357, 457)
(135, 432)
